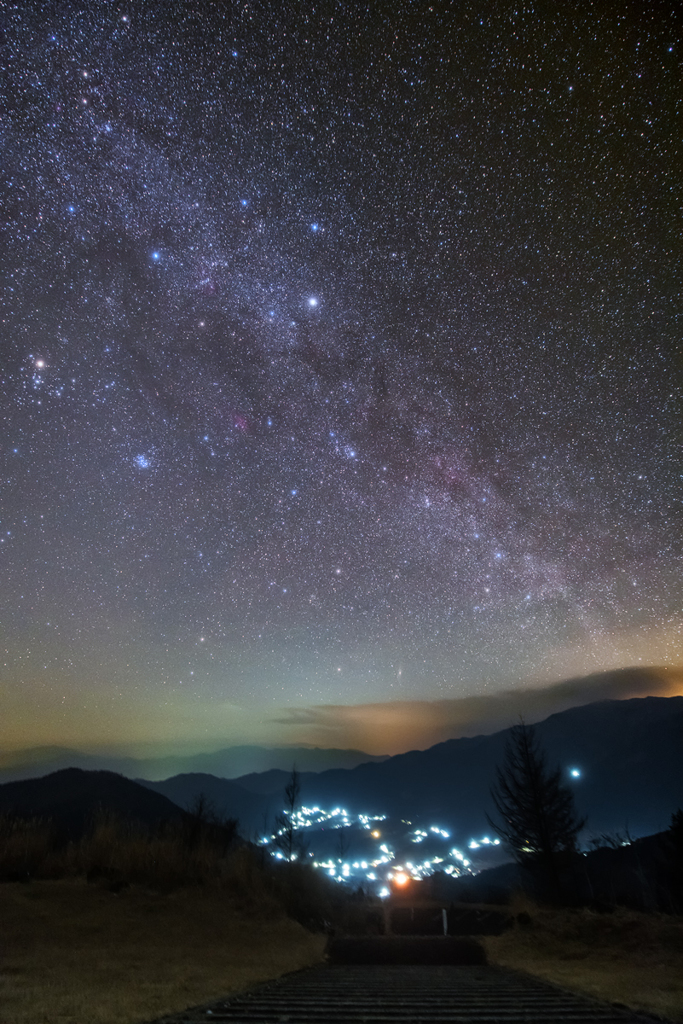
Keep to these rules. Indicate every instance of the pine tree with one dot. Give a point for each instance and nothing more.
(538, 822)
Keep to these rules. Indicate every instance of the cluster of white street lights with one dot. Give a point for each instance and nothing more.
(383, 867)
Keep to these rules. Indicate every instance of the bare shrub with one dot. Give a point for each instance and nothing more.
(119, 852)
(26, 847)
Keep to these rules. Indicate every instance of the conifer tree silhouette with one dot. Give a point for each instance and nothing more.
(538, 819)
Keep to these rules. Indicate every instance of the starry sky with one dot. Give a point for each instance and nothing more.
(341, 361)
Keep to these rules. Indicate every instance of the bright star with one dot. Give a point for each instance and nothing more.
(142, 461)
(312, 301)
(156, 256)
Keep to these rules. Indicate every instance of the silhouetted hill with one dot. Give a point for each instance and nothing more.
(265, 783)
(629, 753)
(637, 875)
(71, 797)
(226, 799)
(227, 763)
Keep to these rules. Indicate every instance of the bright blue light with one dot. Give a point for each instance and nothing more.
(142, 461)
(575, 773)
(314, 227)
(245, 202)
(156, 256)
(312, 301)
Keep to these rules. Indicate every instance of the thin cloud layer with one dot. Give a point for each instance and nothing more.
(397, 726)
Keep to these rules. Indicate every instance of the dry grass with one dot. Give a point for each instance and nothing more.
(173, 855)
(626, 957)
(72, 953)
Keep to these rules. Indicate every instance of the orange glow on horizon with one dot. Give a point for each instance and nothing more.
(401, 878)
(393, 727)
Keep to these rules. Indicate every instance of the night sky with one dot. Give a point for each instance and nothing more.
(341, 360)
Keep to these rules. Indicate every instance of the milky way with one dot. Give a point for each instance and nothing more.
(341, 350)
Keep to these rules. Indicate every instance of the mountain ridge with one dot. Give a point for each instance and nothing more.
(629, 754)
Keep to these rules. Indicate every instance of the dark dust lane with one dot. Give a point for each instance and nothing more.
(411, 994)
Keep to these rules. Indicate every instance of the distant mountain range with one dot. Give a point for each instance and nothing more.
(629, 754)
(228, 763)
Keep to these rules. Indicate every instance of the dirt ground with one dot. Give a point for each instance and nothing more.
(72, 952)
(623, 957)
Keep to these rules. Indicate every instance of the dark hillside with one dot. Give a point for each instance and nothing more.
(266, 783)
(72, 797)
(637, 875)
(226, 798)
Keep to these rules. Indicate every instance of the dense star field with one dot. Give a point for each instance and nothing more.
(341, 351)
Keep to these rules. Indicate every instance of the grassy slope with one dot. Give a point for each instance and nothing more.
(72, 952)
(626, 957)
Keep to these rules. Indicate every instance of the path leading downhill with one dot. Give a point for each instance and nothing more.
(390, 994)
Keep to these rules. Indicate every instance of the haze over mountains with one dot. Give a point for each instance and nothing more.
(228, 763)
(422, 725)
